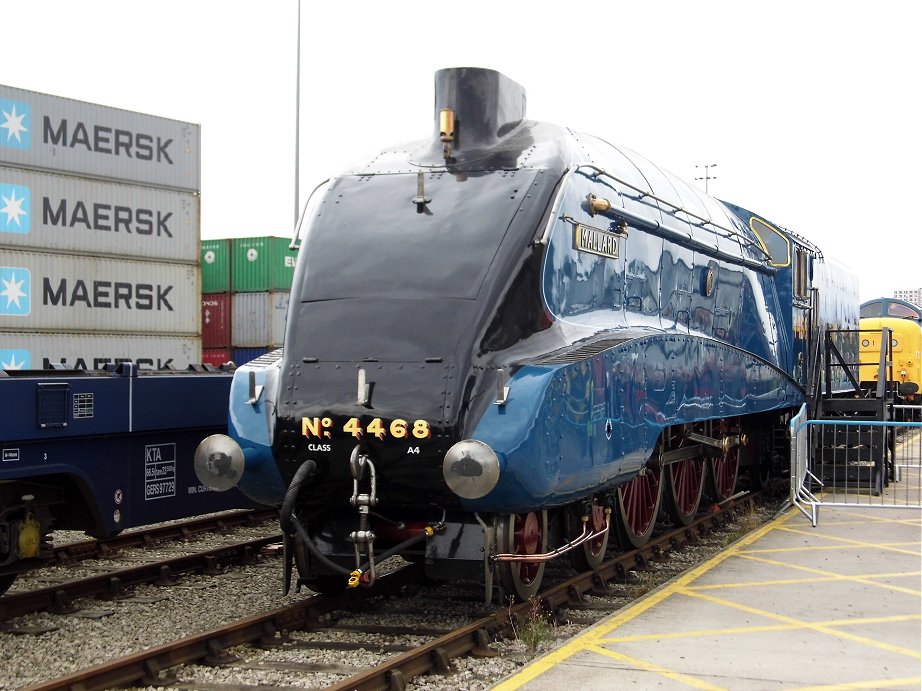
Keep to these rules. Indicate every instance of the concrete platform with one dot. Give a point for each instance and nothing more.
(787, 607)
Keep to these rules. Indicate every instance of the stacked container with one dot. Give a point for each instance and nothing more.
(99, 235)
(246, 283)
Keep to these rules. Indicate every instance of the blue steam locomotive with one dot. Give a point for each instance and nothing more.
(509, 342)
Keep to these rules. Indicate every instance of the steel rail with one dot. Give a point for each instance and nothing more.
(270, 628)
(59, 597)
(88, 549)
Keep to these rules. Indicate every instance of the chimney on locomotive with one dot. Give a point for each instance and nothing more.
(474, 109)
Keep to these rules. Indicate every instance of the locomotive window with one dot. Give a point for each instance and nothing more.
(894, 309)
(773, 242)
(871, 309)
(801, 274)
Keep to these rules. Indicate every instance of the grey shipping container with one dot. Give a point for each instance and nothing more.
(258, 319)
(32, 350)
(63, 213)
(59, 292)
(60, 134)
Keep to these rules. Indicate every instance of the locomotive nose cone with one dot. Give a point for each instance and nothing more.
(218, 462)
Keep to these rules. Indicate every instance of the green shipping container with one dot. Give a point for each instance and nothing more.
(262, 264)
(216, 266)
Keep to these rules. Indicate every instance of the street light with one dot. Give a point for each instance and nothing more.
(707, 176)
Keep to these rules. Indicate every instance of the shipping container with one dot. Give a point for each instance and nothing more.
(216, 356)
(59, 292)
(216, 320)
(258, 319)
(216, 266)
(241, 356)
(57, 213)
(36, 350)
(261, 264)
(46, 132)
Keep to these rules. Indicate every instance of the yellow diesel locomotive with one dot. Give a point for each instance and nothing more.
(904, 319)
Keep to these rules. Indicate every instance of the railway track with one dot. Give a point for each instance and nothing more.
(399, 631)
(59, 598)
(154, 534)
(111, 583)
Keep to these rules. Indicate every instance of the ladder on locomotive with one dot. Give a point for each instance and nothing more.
(849, 451)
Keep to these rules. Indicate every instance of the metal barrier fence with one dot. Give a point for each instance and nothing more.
(852, 463)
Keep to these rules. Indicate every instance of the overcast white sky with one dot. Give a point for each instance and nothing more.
(810, 109)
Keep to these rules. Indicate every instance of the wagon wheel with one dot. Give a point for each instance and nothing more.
(684, 485)
(638, 504)
(521, 533)
(591, 554)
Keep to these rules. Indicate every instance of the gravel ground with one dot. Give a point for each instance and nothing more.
(155, 614)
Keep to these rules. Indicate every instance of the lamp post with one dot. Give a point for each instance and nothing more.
(298, 120)
(707, 176)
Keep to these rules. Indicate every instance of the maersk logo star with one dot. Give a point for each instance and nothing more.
(15, 359)
(14, 291)
(15, 205)
(15, 124)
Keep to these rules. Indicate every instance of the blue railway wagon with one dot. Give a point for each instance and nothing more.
(102, 451)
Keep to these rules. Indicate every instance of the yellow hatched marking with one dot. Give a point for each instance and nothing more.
(798, 624)
(826, 548)
(694, 682)
(863, 520)
(796, 581)
(828, 575)
(851, 543)
(765, 628)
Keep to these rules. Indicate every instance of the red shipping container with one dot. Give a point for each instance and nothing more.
(216, 320)
(215, 356)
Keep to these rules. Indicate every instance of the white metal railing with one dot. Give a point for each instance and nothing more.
(846, 462)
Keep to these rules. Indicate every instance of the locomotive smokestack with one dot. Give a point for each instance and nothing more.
(484, 105)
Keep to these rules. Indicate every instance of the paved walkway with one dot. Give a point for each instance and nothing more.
(788, 607)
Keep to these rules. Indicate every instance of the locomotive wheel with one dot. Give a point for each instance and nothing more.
(683, 488)
(521, 533)
(722, 474)
(723, 470)
(591, 554)
(638, 504)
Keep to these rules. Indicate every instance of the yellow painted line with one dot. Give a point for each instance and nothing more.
(810, 626)
(800, 581)
(909, 682)
(694, 682)
(830, 548)
(765, 628)
(846, 541)
(865, 517)
(599, 631)
(833, 576)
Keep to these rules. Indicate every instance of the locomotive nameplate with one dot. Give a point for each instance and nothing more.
(595, 241)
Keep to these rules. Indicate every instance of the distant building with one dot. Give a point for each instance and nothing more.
(913, 296)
